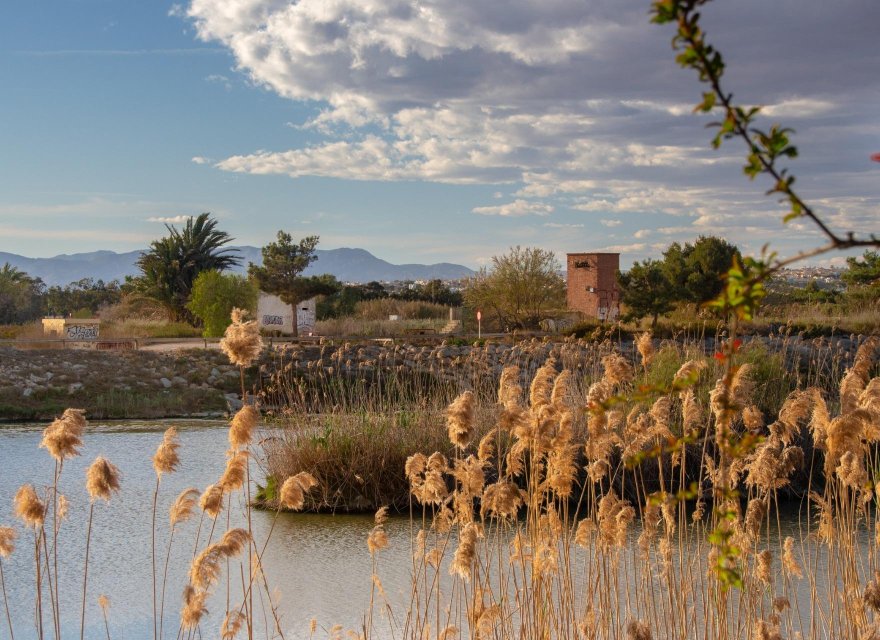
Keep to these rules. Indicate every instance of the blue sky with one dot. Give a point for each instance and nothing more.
(421, 131)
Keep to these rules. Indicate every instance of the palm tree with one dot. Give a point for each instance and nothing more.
(172, 264)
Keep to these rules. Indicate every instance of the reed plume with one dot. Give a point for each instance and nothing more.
(211, 501)
(509, 390)
(690, 369)
(193, 607)
(465, 554)
(28, 506)
(63, 437)
(236, 471)
(102, 479)
(7, 541)
(232, 624)
(789, 561)
(205, 569)
(242, 426)
(542, 385)
(645, 347)
(377, 540)
(292, 494)
(241, 341)
(166, 459)
(501, 500)
(460, 420)
(182, 508)
(638, 630)
(618, 370)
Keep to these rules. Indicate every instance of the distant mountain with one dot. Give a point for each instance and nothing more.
(348, 265)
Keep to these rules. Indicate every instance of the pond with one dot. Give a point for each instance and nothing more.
(319, 564)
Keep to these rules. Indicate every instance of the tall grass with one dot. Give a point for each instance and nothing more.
(585, 490)
(526, 532)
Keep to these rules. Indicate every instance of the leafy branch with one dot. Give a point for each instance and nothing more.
(765, 148)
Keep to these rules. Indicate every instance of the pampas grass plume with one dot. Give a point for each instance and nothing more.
(243, 424)
(645, 347)
(193, 607)
(166, 459)
(232, 624)
(236, 470)
(241, 341)
(460, 420)
(211, 500)
(62, 438)
(7, 541)
(29, 507)
(292, 494)
(181, 509)
(102, 479)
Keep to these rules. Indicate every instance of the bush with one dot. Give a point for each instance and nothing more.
(214, 295)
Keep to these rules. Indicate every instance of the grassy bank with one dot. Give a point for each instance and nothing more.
(112, 404)
(353, 430)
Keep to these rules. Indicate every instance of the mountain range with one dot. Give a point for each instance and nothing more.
(348, 265)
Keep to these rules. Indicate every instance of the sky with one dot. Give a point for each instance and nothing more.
(424, 130)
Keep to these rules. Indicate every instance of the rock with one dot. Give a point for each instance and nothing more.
(178, 380)
(165, 382)
(73, 387)
(215, 372)
(27, 392)
(233, 401)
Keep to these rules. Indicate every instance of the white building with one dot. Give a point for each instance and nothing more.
(273, 314)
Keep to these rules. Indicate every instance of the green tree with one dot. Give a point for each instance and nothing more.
(83, 296)
(281, 272)
(173, 263)
(215, 294)
(697, 271)
(864, 272)
(20, 296)
(520, 289)
(646, 290)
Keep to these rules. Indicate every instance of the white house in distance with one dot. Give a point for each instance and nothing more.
(273, 314)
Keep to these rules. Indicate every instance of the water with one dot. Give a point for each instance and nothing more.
(319, 565)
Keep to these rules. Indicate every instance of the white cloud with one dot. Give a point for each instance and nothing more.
(576, 105)
(561, 225)
(799, 108)
(219, 78)
(515, 209)
(201, 160)
(611, 223)
(169, 219)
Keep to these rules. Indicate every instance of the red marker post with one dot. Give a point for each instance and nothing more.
(479, 324)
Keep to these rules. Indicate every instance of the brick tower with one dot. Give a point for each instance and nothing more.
(592, 284)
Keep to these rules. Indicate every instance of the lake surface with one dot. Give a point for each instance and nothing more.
(319, 564)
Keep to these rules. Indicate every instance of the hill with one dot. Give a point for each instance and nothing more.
(348, 265)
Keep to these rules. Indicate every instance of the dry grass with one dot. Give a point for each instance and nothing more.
(512, 540)
(579, 493)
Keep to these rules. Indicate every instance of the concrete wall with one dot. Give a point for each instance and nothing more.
(275, 315)
(592, 284)
(72, 328)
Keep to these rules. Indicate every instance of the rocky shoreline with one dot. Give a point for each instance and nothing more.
(39, 384)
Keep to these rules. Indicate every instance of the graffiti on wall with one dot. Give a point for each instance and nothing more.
(272, 320)
(82, 332)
